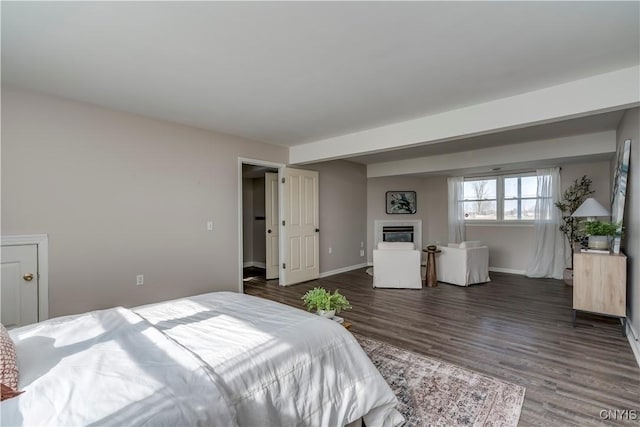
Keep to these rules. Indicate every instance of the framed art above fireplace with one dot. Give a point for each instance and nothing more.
(401, 202)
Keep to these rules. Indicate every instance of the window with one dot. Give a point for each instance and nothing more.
(480, 202)
(506, 198)
(520, 197)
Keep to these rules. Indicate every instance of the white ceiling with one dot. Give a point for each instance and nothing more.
(290, 73)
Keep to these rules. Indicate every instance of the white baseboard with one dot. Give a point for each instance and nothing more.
(342, 270)
(633, 342)
(254, 264)
(507, 270)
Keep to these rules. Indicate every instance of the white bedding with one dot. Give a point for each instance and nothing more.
(280, 366)
(220, 359)
(110, 367)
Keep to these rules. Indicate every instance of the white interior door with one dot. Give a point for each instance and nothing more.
(301, 227)
(19, 288)
(272, 228)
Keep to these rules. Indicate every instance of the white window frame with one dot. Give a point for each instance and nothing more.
(484, 178)
(519, 220)
(500, 202)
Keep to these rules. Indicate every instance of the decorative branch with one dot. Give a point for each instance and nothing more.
(572, 198)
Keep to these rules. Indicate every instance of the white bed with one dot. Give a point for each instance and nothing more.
(219, 359)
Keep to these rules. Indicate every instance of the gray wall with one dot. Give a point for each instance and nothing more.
(120, 195)
(507, 243)
(343, 210)
(629, 128)
(376, 204)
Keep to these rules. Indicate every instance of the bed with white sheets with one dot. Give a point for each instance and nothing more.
(218, 359)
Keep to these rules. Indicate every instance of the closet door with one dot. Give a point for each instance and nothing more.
(19, 288)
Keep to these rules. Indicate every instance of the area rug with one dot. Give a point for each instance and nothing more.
(435, 393)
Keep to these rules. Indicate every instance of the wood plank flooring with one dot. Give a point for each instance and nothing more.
(512, 328)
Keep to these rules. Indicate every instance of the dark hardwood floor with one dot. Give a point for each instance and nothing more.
(512, 328)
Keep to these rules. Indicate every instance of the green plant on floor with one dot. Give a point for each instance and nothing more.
(572, 198)
(602, 228)
(321, 299)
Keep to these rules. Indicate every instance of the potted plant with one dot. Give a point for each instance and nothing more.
(600, 232)
(324, 302)
(572, 198)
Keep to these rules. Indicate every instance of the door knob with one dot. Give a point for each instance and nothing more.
(268, 231)
(28, 277)
(317, 230)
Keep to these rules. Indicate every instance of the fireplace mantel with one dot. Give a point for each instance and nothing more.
(379, 223)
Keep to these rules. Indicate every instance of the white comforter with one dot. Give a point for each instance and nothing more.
(220, 359)
(110, 367)
(280, 366)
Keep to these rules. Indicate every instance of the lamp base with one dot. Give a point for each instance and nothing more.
(598, 242)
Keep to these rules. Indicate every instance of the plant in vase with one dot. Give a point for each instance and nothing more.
(324, 302)
(572, 198)
(601, 232)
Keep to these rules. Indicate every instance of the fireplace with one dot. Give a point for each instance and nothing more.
(397, 233)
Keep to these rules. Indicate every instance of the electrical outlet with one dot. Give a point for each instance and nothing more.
(361, 252)
(362, 244)
(209, 225)
(139, 280)
(330, 250)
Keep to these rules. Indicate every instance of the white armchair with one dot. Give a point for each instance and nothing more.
(463, 264)
(396, 265)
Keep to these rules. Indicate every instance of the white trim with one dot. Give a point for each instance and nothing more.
(42, 243)
(507, 270)
(280, 167)
(254, 264)
(633, 341)
(343, 270)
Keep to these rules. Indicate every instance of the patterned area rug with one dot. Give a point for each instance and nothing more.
(435, 393)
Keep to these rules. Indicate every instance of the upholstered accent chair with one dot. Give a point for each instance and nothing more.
(463, 264)
(396, 265)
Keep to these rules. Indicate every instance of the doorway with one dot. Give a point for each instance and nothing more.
(291, 233)
(259, 208)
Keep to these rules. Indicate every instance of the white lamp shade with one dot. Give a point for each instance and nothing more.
(591, 208)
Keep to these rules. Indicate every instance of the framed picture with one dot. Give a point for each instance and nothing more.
(401, 202)
(620, 188)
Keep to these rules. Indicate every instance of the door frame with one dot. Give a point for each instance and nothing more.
(42, 244)
(256, 162)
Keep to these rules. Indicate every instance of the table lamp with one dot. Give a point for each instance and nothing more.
(591, 209)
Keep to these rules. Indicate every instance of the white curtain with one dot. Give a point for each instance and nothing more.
(456, 209)
(548, 259)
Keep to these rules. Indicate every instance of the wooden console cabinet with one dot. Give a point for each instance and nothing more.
(600, 284)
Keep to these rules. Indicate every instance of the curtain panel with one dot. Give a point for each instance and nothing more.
(456, 209)
(549, 255)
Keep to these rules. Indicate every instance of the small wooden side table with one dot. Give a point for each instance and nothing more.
(432, 277)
